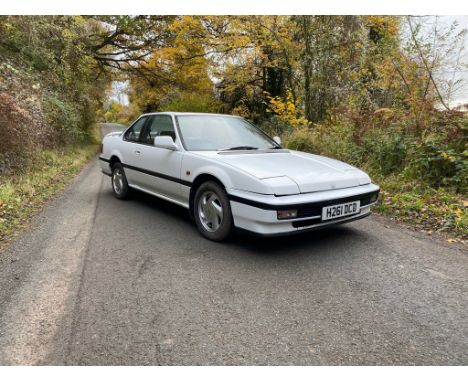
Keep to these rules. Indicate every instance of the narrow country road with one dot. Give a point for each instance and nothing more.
(98, 281)
(107, 128)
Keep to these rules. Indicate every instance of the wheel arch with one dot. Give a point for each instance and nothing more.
(197, 182)
(113, 159)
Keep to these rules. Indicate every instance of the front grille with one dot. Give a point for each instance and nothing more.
(365, 201)
(309, 211)
(315, 209)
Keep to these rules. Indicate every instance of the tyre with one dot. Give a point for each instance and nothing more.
(212, 211)
(119, 182)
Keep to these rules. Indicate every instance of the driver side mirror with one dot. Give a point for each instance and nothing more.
(277, 140)
(165, 142)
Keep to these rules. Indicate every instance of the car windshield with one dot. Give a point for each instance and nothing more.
(213, 132)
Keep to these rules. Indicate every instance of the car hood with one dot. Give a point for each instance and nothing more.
(310, 172)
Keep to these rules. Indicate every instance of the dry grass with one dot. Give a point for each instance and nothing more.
(23, 194)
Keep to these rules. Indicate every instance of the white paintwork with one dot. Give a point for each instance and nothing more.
(162, 161)
(274, 177)
(165, 142)
(309, 172)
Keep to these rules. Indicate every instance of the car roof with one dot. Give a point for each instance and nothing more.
(178, 113)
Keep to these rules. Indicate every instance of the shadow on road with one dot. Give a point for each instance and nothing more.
(162, 206)
(305, 243)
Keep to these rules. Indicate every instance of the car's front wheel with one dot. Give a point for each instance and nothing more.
(119, 182)
(212, 211)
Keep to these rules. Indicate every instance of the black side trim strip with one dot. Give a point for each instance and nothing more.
(271, 207)
(253, 203)
(152, 173)
(158, 175)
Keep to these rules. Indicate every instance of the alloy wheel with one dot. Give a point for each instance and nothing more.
(210, 211)
(117, 181)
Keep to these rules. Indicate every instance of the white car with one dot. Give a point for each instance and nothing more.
(228, 173)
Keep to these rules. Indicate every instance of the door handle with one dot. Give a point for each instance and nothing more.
(137, 152)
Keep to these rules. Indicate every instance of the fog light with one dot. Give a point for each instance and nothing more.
(287, 214)
(374, 197)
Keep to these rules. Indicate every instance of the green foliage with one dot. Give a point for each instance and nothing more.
(386, 150)
(441, 164)
(116, 112)
(192, 102)
(64, 117)
(275, 126)
(423, 177)
(335, 141)
(49, 88)
(437, 158)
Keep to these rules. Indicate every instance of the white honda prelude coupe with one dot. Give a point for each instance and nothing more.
(228, 173)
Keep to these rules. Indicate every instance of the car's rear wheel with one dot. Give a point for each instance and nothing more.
(212, 211)
(119, 182)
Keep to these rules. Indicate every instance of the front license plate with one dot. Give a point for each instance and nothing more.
(340, 210)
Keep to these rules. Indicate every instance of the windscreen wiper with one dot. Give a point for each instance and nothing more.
(240, 148)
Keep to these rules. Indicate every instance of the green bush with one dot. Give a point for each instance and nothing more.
(441, 165)
(332, 141)
(49, 87)
(274, 126)
(192, 102)
(65, 118)
(437, 156)
(386, 152)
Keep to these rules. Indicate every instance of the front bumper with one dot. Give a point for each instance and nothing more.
(258, 213)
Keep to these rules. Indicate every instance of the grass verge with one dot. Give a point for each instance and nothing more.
(426, 209)
(23, 194)
(421, 176)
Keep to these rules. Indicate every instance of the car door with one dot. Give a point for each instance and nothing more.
(131, 151)
(161, 166)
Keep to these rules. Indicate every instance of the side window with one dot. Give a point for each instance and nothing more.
(158, 125)
(133, 134)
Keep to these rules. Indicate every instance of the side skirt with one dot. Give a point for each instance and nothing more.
(161, 196)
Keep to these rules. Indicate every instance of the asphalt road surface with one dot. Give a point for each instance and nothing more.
(98, 281)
